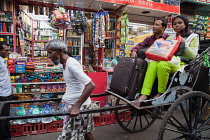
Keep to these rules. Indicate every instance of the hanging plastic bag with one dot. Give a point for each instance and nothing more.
(79, 20)
(59, 19)
(163, 50)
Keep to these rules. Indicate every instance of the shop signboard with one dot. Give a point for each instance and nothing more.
(172, 6)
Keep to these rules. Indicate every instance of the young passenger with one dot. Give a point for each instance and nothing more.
(162, 69)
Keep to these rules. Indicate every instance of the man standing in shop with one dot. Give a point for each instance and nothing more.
(77, 96)
(5, 91)
(159, 27)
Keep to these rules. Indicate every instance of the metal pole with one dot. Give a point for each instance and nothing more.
(96, 110)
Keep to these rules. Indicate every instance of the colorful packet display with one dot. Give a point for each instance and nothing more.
(100, 26)
(200, 26)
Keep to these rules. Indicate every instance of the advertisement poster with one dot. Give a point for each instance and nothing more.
(138, 39)
(172, 6)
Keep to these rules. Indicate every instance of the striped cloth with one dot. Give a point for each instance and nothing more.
(75, 128)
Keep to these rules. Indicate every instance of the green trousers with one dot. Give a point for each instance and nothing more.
(161, 70)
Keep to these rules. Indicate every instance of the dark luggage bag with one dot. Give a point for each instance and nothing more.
(128, 77)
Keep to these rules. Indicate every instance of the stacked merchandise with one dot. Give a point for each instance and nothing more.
(35, 108)
(100, 25)
(208, 29)
(39, 50)
(25, 64)
(124, 29)
(122, 35)
(6, 17)
(200, 26)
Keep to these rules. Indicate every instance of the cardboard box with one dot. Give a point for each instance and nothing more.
(112, 100)
(95, 104)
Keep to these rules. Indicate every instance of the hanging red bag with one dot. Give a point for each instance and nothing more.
(163, 50)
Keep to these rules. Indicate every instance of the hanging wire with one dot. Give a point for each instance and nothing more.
(100, 8)
(60, 3)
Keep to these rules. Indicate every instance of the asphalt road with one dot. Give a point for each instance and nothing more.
(107, 132)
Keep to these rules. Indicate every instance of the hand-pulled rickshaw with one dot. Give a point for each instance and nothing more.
(185, 112)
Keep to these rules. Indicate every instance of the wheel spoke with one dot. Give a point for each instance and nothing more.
(145, 117)
(137, 115)
(185, 116)
(157, 114)
(152, 114)
(190, 113)
(125, 111)
(131, 118)
(205, 122)
(140, 121)
(204, 112)
(129, 122)
(177, 131)
(174, 124)
(204, 129)
(127, 116)
(178, 138)
(197, 112)
(208, 138)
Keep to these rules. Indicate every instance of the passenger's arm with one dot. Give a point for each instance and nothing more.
(191, 50)
(139, 46)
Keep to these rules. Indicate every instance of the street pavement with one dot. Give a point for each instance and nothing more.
(107, 132)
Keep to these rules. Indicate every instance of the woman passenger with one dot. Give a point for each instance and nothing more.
(162, 69)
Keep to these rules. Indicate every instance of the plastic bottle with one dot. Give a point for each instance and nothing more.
(21, 111)
(46, 110)
(61, 110)
(109, 81)
(13, 112)
(106, 64)
(30, 112)
(114, 63)
(107, 112)
(35, 111)
(54, 110)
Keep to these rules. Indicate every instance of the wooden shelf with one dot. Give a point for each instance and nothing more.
(44, 28)
(75, 46)
(27, 39)
(53, 92)
(74, 36)
(6, 33)
(43, 35)
(41, 83)
(39, 72)
(6, 21)
(110, 38)
(41, 40)
(28, 53)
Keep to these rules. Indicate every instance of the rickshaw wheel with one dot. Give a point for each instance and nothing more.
(188, 118)
(134, 120)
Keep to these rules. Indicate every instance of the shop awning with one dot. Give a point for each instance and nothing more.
(156, 5)
(134, 8)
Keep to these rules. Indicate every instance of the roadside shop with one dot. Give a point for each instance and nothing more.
(96, 32)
